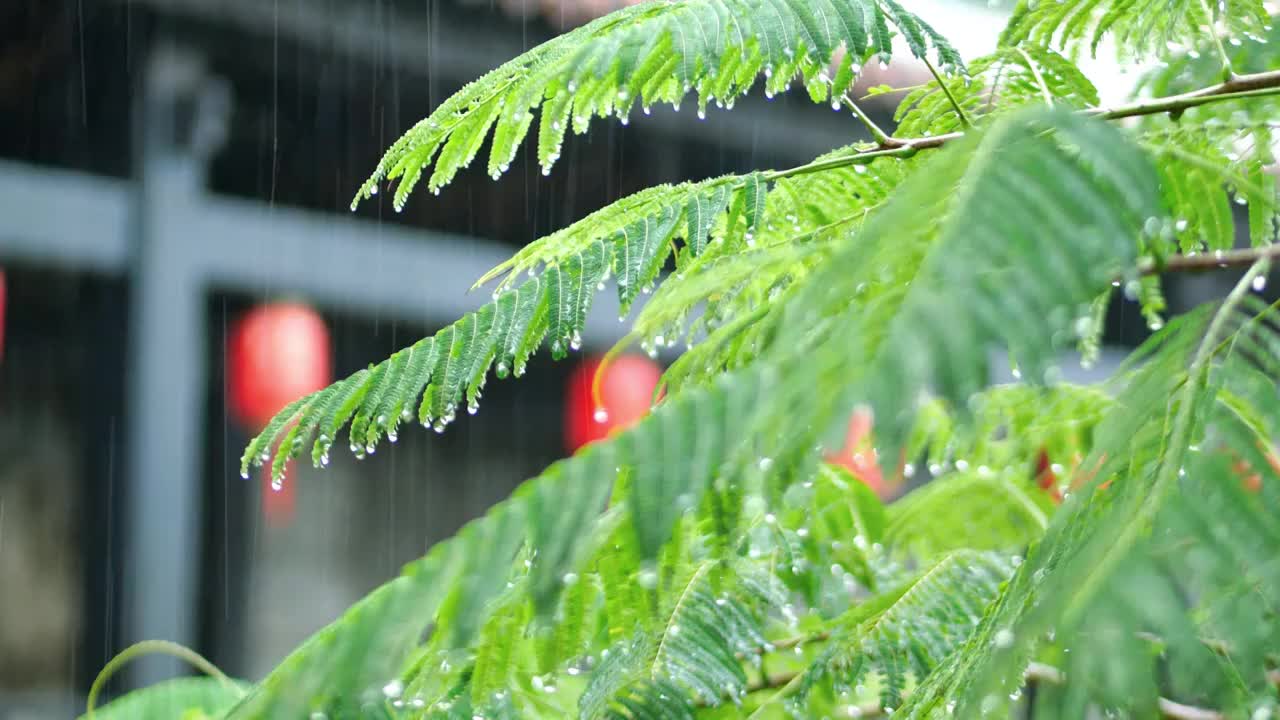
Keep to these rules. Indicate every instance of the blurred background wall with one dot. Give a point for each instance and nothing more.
(168, 166)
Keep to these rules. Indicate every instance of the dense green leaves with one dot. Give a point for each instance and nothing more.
(1205, 170)
(706, 563)
(978, 509)
(907, 630)
(915, 318)
(680, 458)
(181, 699)
(648, 53)
(692, 654)
(1145, 547)
(1006, 80)
(1139, 29)
(630, 241)
(352, 665)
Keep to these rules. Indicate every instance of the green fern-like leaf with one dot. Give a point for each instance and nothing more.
(911, 628)
(687, 211)
(1203, 169)
(1003, 81)
(454, 363)
(647, 53)
(1011, 426)
(1195, 579)
(355, 662)
(693, 654)
(719, 294)
(495, 659)
(980, 509)
(847, 513)
(1219, 152)
(629, 240)
(1139, 29)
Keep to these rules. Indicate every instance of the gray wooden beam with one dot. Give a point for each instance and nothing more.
(64, 218)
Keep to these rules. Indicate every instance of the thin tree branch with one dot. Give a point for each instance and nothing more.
(1208, 261)
(860, 158)
(1241, 86)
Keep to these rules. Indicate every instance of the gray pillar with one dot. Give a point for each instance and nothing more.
(178, 124)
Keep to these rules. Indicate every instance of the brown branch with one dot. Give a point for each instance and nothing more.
(773, 680)
(1209, 261)
(1240, 86)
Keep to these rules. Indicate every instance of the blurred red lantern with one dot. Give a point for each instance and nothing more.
(278, 497)
(858, 455)
(1045, 476)
(626, 393)
(276, 354)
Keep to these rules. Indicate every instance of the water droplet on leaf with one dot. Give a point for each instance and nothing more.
(1004, 638)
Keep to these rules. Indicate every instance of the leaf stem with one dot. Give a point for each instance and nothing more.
(1035, 71)
(877, 133)
(964, 119)
(858, 158)
(152, 647)
(1208, 261)
(1227, 71)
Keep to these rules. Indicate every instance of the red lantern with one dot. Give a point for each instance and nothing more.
(858, 455)
(1045, 477)
(277, 353)
(278, 496)
(625, 395)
